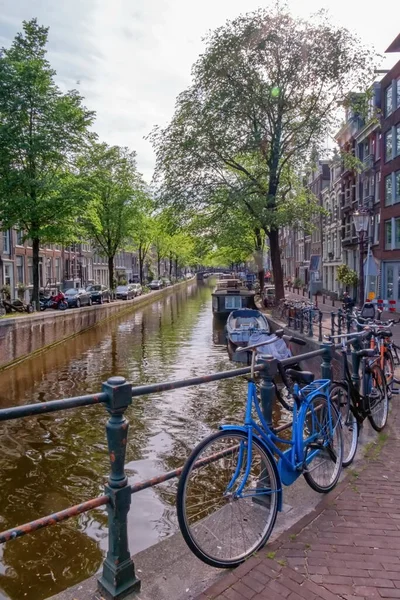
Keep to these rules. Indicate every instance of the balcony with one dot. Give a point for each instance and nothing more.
(349, 240)
(368, 162)
(368, 201)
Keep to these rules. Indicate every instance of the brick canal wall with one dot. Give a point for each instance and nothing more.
(22, 336)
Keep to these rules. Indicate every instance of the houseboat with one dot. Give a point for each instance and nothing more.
(230, 294)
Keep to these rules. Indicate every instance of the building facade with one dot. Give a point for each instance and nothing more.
(388, 250)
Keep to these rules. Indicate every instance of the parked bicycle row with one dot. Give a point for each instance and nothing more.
(231, 486)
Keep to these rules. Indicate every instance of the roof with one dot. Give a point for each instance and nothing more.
(395, 45)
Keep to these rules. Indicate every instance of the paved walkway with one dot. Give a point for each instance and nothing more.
(348, 548)
(327, 308)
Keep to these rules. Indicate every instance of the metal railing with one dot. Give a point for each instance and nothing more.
(118, 575)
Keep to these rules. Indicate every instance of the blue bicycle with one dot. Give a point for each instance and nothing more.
(230, 490)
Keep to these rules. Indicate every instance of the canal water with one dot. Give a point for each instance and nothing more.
(50, 462)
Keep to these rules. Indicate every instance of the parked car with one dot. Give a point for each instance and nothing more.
(78, 297)
(99, 293)
(125, 292)
(156, 284)
(166, 282)
(137, 288)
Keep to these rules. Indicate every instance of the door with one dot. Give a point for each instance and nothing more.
(8, 276)
(391, 283)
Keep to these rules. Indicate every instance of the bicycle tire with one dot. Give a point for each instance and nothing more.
(389, 368)
(380, 387)
(314, 415)
(268, 503)
(350, 427)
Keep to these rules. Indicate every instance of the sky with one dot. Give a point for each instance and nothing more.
(131, 58)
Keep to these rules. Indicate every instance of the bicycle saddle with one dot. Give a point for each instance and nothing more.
(367, 352)
(300, 376)
(385, 334)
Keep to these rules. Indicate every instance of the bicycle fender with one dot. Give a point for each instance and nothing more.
(268, 452)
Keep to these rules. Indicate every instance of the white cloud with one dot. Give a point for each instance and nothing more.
(132, 57)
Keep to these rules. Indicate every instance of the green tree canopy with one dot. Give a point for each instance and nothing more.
(264, 93)
(116, 195)
(41, 133)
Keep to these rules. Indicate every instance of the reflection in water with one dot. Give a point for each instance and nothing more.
(50, 462)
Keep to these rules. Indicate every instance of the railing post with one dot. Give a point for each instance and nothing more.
(267, 387)
(118, 578)
(326, 365)
(339, 316)
(332, 323)
(295, 319)
(320, 326)
(310, 322)
(301, 328)
(348, 321)
(355, 363)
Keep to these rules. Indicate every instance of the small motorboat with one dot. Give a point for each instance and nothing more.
(242, 324)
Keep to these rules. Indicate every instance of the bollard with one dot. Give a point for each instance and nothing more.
(326, 365)
(310, 323)
(267, 386)
(295, 319)
(332, 323)
(118, 578)
(323, 299)
(339, 317)
(320, 326)
(301, 324)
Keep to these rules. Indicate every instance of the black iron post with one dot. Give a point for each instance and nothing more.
(320, 326)
(332, 323)
(326, 365)
(267, 387)
(339, 316)
(118, 578)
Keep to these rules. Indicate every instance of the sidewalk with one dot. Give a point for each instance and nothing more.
(347, 548)
(328, 308)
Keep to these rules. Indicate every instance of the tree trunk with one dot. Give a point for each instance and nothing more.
(176, 267)
(170, 266)
(141, 260)
(35, 268)
(158, 265)
(273, 236)
(111, 271)
(259, 256)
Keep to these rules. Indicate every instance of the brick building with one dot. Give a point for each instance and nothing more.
(389, 247)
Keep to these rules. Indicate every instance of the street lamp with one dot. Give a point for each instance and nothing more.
(361, 224)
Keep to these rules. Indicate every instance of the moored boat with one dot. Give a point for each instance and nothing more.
(242, 324)
(231, 294)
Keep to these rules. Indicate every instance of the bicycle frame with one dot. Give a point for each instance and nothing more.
(291, 462)
(357, 398)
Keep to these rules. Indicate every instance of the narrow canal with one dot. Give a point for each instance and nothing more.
(53, 461)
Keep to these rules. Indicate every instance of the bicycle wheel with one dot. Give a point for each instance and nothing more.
(377, 399)
(322, 444)
(339, 395)
(388, 369)
(220, 528)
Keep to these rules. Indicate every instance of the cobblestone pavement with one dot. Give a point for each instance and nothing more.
(347, 548)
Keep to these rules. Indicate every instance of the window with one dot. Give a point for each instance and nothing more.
(388, 235)
(19, 261)
(388, 146)
(48, 269)
(6, 241)
(377, 222)
(397, 187)
(30, 270)
(58, 270)
(398, 93)
(397, 233)
(388, 190)
(389, 283)
(7, 274)
(378, 146)
(20, 237)
(388, 100)
(377, 186)
(397, 141)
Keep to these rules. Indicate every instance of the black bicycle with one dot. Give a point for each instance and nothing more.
(357, 404)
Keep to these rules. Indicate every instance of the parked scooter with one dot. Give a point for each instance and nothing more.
(57, 302)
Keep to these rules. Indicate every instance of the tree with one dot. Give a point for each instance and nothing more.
(264, 93)
(41, 133)
(161, 228)
(116, 192)
(141, 235)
